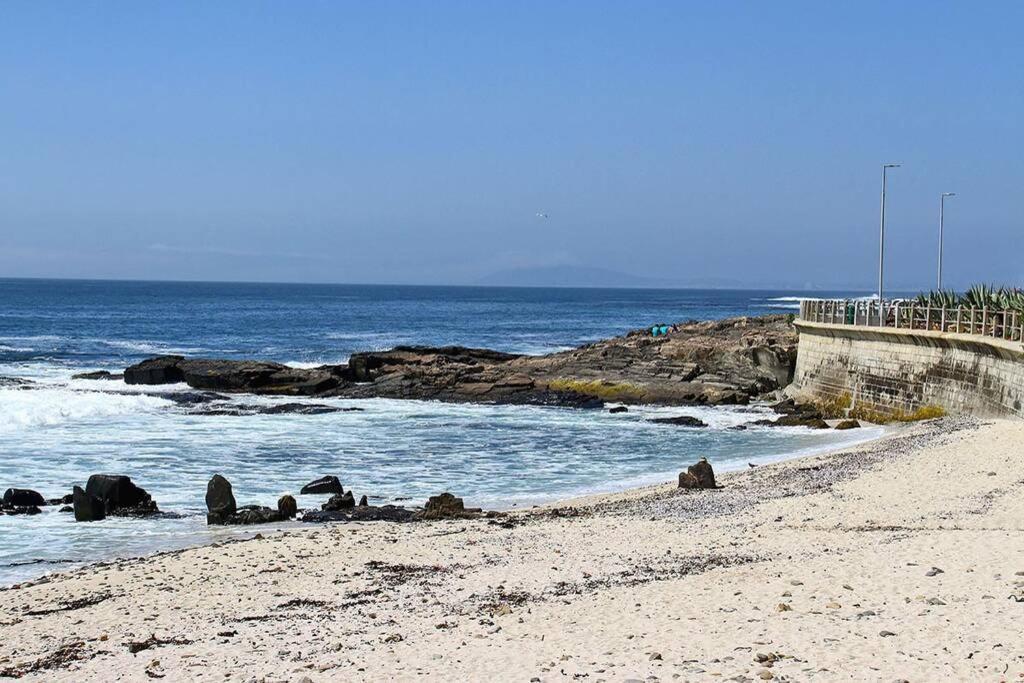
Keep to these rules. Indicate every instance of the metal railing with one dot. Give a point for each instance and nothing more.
(911, 315)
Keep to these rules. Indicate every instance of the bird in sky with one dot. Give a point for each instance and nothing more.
(541, 215)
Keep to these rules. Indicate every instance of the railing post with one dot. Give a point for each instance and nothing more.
(912, 307)
(984, 320)
(959, 317)
(942, 321)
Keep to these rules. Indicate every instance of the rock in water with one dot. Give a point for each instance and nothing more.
(323, 485)
(287, 507)
(681, 421)
(23, 498)
(698, 476)
(340, 501)
(120, 495)
(618, 409)
(848, 424)
(161, 370)
(87, 508)
(363, 502)
(220, 501)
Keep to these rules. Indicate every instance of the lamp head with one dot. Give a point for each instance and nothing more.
(949, 194)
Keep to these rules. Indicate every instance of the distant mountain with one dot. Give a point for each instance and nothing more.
(567, 276)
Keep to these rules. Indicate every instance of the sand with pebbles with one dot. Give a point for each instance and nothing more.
(901, 559)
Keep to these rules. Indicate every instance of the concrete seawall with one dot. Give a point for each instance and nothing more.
(893, 371)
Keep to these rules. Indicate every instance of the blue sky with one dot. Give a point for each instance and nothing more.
(415, 142)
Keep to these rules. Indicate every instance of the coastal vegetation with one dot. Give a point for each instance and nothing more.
(603, 389)
(979, 296)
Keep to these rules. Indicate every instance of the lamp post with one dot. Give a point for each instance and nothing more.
(942, 206)
(881, 246)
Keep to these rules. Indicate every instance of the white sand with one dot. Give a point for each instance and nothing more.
(612, 594)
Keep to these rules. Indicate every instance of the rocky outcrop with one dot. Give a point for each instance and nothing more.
(698, 363)
(220, 500)
(22, 498)
(323, 485)
(287, 507)
(120, 496)
(698, 476)
(681, 421)
(446, 506)
(848, 424)
(340, 501)
(99, 374)
(87, 508)
(361, 513)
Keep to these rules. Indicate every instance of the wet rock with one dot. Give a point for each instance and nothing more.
(370, 513)
(340, 501)
(99, 374)
(87, 508)
(618, 409)
(20, 510)
(796, 420)
(120, 495)
(63, 500)
(160, 370)
(251, 514)
(363, 502)
(287, 507)
(67, 508)
(681, 421)
(22, 498)
(220, 500)
(698, 476)
(323, 485)
(848, 424)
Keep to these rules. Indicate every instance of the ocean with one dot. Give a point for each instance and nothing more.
(57, 433)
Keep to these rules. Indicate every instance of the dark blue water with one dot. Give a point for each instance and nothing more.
(82, 324)
(57, 433)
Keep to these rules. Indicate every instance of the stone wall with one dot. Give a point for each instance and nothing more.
(900, 371)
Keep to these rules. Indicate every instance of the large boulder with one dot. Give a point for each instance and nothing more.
(120, 495)
(848, 424)
(698, 476)
(22, 498)
(287, 507)
(252, 514)
(160, 370)
(220, 500)
(87, 508)
(444, 506)
(323, 485)
(340, 501)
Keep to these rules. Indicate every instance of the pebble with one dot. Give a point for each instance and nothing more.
(765, 675)
(783, 607)
(655, 656)
(934, 571)
(886, 634)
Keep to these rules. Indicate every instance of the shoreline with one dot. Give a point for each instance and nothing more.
(815, 567)
(638, 483)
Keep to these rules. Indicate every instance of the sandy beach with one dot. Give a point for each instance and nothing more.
(902, 559)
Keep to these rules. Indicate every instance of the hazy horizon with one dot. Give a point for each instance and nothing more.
(460, 143)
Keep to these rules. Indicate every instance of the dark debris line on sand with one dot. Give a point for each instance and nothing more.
(58, 659)
(71, 605)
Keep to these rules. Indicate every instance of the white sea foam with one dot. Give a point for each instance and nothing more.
(22, 409)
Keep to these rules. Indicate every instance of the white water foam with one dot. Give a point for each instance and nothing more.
(25, 409)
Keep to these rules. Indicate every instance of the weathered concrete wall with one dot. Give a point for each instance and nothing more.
(890, 371)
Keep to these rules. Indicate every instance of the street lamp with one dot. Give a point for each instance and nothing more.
(942, 206)
(881, 245)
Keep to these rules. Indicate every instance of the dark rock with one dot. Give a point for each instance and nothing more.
(370, 513)
(363, 502)
(220, 500)
(120, 495)
(287, 507)
(63, 500)
(698, 476)
(21, 510)
(322, 485)
(445, 506)
(738, 428)
(795, 420)
(22, 498)
(340, 501)
(618, 409)
(87, 508)
(99, 374)
(66, 508)
(251, 514)
(681, 421)
(160, 370)
(848, 424)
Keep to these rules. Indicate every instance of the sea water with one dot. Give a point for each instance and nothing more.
(57, 433)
